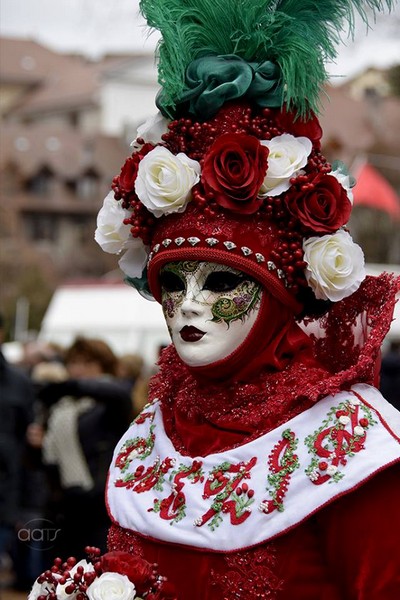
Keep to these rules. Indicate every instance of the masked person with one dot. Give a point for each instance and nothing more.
(266, 462)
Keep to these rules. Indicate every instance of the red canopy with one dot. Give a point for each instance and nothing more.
(373, 190)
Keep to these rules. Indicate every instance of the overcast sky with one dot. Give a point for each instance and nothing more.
(94, 27)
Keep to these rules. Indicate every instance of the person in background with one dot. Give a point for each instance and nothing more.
(141, 390)
(89, 412)
(16, 413)
(390, 374)
(29, 552)
(129, 370)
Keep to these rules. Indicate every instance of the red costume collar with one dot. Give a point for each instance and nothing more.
(204, 415)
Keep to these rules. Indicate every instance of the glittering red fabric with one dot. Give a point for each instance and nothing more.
(201, 417)
(352, 332)
(249, 575)
(124, 540)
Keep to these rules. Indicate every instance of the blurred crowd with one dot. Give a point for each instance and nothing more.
(62, 412)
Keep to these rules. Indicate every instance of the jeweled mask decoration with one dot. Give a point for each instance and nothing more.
(209, 308)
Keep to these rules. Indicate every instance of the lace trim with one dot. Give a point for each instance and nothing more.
(250, 575)
(124, 541)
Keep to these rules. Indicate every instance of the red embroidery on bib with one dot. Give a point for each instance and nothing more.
(342, 435)
(136, 448)
(282, 462)
(229, 496)
(143, 480)
(142, 418)
(173, 508)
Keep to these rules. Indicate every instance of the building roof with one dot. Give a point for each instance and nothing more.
(67, 152)
(63, 82)
(358, 123)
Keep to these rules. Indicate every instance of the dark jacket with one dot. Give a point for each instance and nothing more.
(100, 427)
(16, 413)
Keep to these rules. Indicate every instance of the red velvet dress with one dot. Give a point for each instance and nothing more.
(348, 551)
(344, 545)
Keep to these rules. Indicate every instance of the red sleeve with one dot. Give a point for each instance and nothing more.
(361, 539)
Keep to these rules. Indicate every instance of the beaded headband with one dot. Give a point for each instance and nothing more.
(230, 170)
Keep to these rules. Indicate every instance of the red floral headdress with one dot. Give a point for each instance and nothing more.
(231, 169)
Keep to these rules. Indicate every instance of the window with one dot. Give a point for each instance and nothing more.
(41, 227)
(88, 185)
(41, 184)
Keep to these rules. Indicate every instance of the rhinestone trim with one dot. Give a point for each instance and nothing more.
(193, 240)
(229, 245)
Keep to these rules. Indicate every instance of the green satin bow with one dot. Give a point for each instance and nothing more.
(213, 80)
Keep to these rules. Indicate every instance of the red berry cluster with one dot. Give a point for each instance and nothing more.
(288, 254)
(60, 573)
(195, 138)
(123, 186)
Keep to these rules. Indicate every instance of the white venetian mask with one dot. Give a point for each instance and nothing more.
(209, 308)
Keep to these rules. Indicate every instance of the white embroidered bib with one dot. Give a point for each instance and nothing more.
(239, 498)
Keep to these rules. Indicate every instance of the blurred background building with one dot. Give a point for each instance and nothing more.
(66, 126)
(67, 119)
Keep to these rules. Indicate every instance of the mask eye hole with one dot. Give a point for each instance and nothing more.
(171, 282)
(223, 281)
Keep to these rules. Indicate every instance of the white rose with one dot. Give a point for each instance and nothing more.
(287, 156)
(111, 586)
(164, 181)
(39, 589)
(344, 181)
(335, 265)
(344, 420)
(134, 259)
(152, 130)
(358, 430)
(111, 233)
(331, 470)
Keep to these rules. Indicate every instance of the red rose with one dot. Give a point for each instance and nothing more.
(233, 171)
(127, 177)
(322, 209)
(138, 570)
(128, 174)
(309, 128)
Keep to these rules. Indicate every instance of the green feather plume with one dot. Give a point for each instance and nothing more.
(297, 35)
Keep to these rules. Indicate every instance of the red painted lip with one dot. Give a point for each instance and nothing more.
(191, 334)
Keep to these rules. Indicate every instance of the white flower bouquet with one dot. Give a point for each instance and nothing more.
(111, 576)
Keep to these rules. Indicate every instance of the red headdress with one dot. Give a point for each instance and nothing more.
(231, 169)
